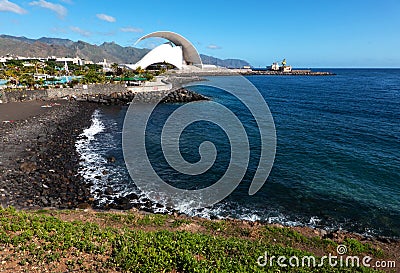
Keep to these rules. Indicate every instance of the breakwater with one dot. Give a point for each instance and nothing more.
(104, 94)
(291, 73)
(177, 96)
(193, 75)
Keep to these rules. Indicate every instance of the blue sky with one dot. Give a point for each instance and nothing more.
(340, 33)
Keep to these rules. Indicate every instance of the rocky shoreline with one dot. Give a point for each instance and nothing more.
(39, 165)
(180, 95)
(38, 159)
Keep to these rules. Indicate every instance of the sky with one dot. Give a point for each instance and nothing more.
(340, 33)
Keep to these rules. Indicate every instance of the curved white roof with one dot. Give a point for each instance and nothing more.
(162, 53)
(190, 54)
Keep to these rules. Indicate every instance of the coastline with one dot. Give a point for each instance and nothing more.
(59, 127)
(38, 160)
(39, 165)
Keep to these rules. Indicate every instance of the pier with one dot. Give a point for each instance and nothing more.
(291, 73)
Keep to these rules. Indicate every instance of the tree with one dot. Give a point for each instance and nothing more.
(139, 70)
(93, 77)
(114, 68)
(149, 76)
(73, 82)
(40, 82)
(27, 80)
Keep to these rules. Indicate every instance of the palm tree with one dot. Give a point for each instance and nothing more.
(139, 70)
(114, 67)
(28, 80)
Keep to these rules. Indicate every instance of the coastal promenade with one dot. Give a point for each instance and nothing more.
(161, 85)
(117, 93)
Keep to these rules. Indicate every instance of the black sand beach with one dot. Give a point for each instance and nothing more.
(15, 111)
(38, 159)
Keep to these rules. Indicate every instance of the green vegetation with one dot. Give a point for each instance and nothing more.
(135, 242)
(29, 74)
(215, 225)
(134, 220)
(357, 248)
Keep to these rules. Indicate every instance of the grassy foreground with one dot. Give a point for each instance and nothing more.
(89, 241)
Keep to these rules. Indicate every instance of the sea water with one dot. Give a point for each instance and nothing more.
(337, 162)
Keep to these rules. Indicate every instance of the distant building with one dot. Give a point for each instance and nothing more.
(38, 77)
(178, 51)
(286, 68)
(5, 59)
(76, 60)
(28, 64)
(85, 62)
(106, 66)
(283, 68)
(274, 67)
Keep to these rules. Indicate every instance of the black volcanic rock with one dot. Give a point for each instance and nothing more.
(38, 173)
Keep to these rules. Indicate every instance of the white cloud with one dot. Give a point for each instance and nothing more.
(58, 30)
(106, 18)
(67, 1)
(131, 29)
(6, 5)
(107, 33)
(81, 31)
(212, 46)
(57, 8)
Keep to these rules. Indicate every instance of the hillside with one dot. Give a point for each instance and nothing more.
(230, 63)
(44, 47)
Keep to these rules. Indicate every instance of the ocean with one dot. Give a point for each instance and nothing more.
(337, 163)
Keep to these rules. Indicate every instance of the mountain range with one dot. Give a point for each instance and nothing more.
(114, 53)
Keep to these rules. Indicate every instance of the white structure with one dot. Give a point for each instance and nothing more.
(283, 68)
(40, 77)
(76, 60)
(106, 66)
(286, 68)
(178, 52)
(66, 69)
(162, 53)
(274, 67)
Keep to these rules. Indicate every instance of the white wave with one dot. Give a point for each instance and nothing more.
(96, 127)
(95, 169)
(92, 163)
(88, 135)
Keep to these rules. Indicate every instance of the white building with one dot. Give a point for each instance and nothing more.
(40, 77)
(106, 66)
(274, 67)
(286, 68)
(76, 60)
(178, 52)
